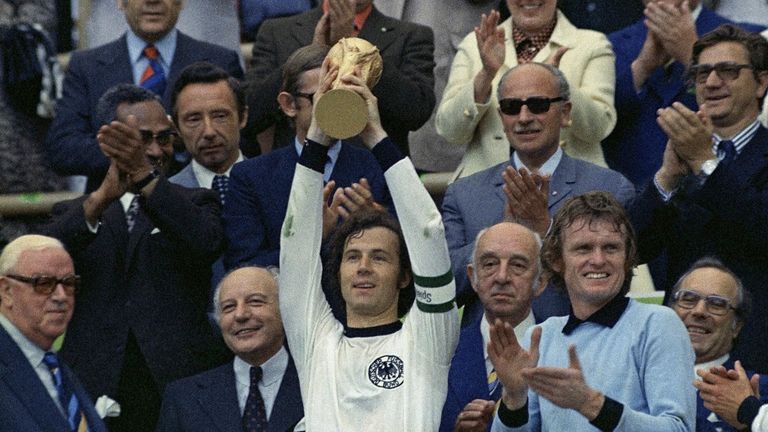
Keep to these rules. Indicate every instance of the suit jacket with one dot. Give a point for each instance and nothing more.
(588, 66)
(636, 146)
(258, 198)
(208, 402)
(477, 202)
(25, 403)
(406, 88)
(71, 143)
(153, 282)
(726, 217)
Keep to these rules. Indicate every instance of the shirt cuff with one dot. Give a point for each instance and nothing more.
(665, 196)
(748, 410)
(608, 417)
(513, 418)
(387, 153)
(314, 155)
(94, 229)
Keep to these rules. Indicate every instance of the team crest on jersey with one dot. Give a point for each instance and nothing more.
(386, 372)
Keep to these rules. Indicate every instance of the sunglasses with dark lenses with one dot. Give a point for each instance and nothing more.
(45, 285)
(715, 304)
(163, 138)
(536, 105)
(727, 71)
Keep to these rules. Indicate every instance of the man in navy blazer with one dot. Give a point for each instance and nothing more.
(71, 143)
(651, 58)
(259, 187)
(37, 297)
(246, 308)
(505, 272)
(532, 185)
(710, 196)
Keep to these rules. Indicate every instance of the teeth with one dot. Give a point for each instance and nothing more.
(698, 330)
(597, 275)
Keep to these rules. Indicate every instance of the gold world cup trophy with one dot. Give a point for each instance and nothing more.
(342, 113)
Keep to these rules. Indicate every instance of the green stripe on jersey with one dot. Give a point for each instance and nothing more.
(434, 308)
(433, 281)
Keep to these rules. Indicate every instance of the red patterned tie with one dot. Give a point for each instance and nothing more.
(255, 414)
(153, 77)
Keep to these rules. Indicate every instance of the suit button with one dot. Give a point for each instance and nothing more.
(467, 113)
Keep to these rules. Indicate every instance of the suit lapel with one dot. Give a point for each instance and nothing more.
(304, 26)
(218, 398)
(287, 409)
(468, 380)
(498, 183)
(379, 29)
(140, 231)
(752, 163)
(22, 380)
(561, 183)
(117, 66)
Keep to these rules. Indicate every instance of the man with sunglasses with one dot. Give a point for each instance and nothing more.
(145, 247)
(713, 304)
(534, 103)
(37, 296)
(710, 196)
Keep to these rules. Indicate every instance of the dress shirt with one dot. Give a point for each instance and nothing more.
(333, 156)
(205, 176)
(125, 201)
(485, 331)
(547, 168)
(710, 364)
(165, 46)
(34, 355)
(271, 378)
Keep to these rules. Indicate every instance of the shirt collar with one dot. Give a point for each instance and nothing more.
(126, 199)
(333, 151)
(538, 40)
(607, 316)
(547, 168)
(205, 176)
(520, 329)
(271, 370)
(166, 46)
(380, 330)
(360, 17)
(32, 352)
(710, 364)
(740, 139)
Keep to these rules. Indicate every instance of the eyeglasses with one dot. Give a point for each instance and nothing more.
(536, 105)
(45, 285)
(726, 71)
(163, 138)
(716, 305)
(308, 96)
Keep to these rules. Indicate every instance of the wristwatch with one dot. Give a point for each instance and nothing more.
(708, 167)
(141, 184)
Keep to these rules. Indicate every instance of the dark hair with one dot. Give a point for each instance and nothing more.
(207, 73)
(302, 60)
(744, 307)
(354, 226)
(754, 43)
(106, 107)
(591, 207)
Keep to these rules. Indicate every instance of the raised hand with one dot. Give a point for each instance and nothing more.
(690, 133)
(492, 49)
(673, 27)
(723, 391)
(510, 359)
(527, 199)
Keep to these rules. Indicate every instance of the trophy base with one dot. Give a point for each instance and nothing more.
(341, 113)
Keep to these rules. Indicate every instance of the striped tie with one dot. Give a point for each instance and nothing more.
(153, 77)
(67, 397)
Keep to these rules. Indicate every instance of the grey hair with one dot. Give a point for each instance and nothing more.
(563, 89)
(273, 270)
(31, 242)
(536, 238)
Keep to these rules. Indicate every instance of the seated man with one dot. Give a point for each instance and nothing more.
(261, 383)
(38, 392)
(405, 91)
(533, 183)
(613, 363)
(505, 272)
(150, 54)
(467, 114)
(145, 247)
(259, 187)
(373, 372)
(713, 305)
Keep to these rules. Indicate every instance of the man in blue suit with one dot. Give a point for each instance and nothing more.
(259, 187)
(71, 143)
(37, 297)
(651, 58)
(505, 272)
(246, 308)
(532, 185)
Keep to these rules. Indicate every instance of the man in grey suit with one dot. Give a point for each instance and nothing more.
(534, 105)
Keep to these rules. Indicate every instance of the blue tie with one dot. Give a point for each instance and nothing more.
(255, 414)
(153, 78)
(727, 149)
(67, 397)
(221, 185)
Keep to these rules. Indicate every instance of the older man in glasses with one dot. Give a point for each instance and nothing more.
(710, 196)
(534, 104)
(37, 296)
(145, 247)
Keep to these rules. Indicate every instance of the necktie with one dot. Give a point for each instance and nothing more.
(153, 77)
(131, 213)
(494, 387)
(221, 185)
(67, 397)
(254, 414)
(727, 149)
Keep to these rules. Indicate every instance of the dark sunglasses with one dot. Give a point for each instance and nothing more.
(45, 285)
(727, 71)
(536, 105)
(163, 138)
(715, 304)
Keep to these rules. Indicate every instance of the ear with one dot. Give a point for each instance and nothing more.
(6, 299)
(244, 117)
(471, 276)
(405, 279)
(762, 83)
(540, 285)
(565, 120)
(736, 326)
(287, 104)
